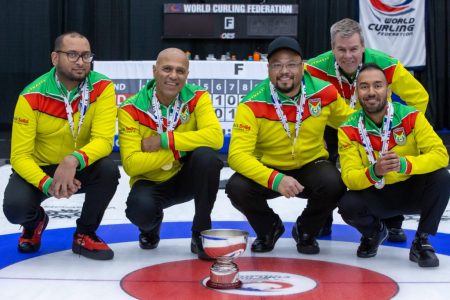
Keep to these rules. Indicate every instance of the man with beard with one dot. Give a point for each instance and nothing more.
(277, 149)
(62, 134)
(340, 66)
(169, 134)
(393, 163)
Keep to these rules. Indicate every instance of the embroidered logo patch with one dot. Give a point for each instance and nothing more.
(399, 135)
(315, 106)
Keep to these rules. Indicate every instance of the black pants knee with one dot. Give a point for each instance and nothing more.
(426, 194)
(98, 181)
(198, 179)
(323, 189)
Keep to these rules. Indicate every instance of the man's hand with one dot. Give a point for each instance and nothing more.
(389, 162)
(64, 182)
(151, 144)
(289, 187)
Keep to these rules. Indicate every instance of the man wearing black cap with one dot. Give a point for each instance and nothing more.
(277, 149)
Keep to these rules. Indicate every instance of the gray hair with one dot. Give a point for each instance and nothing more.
(345, 28)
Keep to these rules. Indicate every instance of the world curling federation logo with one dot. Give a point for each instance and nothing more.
(401, 8)
(262, 283)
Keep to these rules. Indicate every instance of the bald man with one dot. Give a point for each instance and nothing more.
(169, 134)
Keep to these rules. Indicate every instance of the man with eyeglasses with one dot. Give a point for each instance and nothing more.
(169, 134)
(277, 149)
(62, 134)
(392, 162)
(340, 66)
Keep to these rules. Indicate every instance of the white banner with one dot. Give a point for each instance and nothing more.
(396, 27)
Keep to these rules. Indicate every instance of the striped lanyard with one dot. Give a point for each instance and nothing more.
(299, 105)
(352, 86)
(83, 106)
(385, 137)
(172, 113)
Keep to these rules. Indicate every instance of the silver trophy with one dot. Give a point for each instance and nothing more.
(224, 245)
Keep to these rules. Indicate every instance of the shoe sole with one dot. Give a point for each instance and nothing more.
(96, 255)
(275, 239)
(429, 264)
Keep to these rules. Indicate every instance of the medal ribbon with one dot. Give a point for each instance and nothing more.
(172, 116)
(299, 105)
(83, 106)
(352, 86)
(385, 137)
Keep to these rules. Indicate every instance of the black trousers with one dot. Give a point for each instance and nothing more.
(426, 194)
(323, 189)
(99, 181)
(198, 179)
(330, 136)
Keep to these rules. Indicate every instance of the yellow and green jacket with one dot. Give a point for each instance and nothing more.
(420, 149)
(259, 144)
(41, 134)
(198, 126)
(401, 82)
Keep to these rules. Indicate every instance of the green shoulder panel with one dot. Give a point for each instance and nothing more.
(313, 84)
(382, 59)
(324, 62)
(41, 84)
(189, 90)
(352, 120)
(260, 93)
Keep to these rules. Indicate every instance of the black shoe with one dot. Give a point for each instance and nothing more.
(306, 243)
(149, 240)
(267, 242)
(197, 247)
(369, 245)
(30, 240)
(326, 229)
(396, 235)
(422, 252)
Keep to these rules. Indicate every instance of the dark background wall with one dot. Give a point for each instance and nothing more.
(132, 30)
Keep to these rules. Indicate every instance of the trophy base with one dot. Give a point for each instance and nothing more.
(223, 286)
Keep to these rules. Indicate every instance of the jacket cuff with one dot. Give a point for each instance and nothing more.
(44, 185)
(370, 173)
(405, 166)
(274, 180)
(82, 159)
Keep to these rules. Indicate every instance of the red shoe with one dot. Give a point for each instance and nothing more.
(91, 246)
(30, 240)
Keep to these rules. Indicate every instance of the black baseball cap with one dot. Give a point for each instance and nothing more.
(284, 42)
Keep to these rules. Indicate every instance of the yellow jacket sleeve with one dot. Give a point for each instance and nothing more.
(409, 89)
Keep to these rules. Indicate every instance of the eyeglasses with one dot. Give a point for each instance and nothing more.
(292, 66)
(74, 56)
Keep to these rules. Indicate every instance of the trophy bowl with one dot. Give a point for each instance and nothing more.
(224, 245)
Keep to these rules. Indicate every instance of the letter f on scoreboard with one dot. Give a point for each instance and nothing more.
(228, 23)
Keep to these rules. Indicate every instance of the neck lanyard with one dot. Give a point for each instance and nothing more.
(172, 113)
(385, 137)
(299, 105)
(83, 106)
(352, 86)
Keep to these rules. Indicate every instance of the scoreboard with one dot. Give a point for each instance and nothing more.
(227, 81)
(229, 21)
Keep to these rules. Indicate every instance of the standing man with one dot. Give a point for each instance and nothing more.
(341, 65)
(168, 135)
(393, 163)
(277, 149)
(62, 134)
